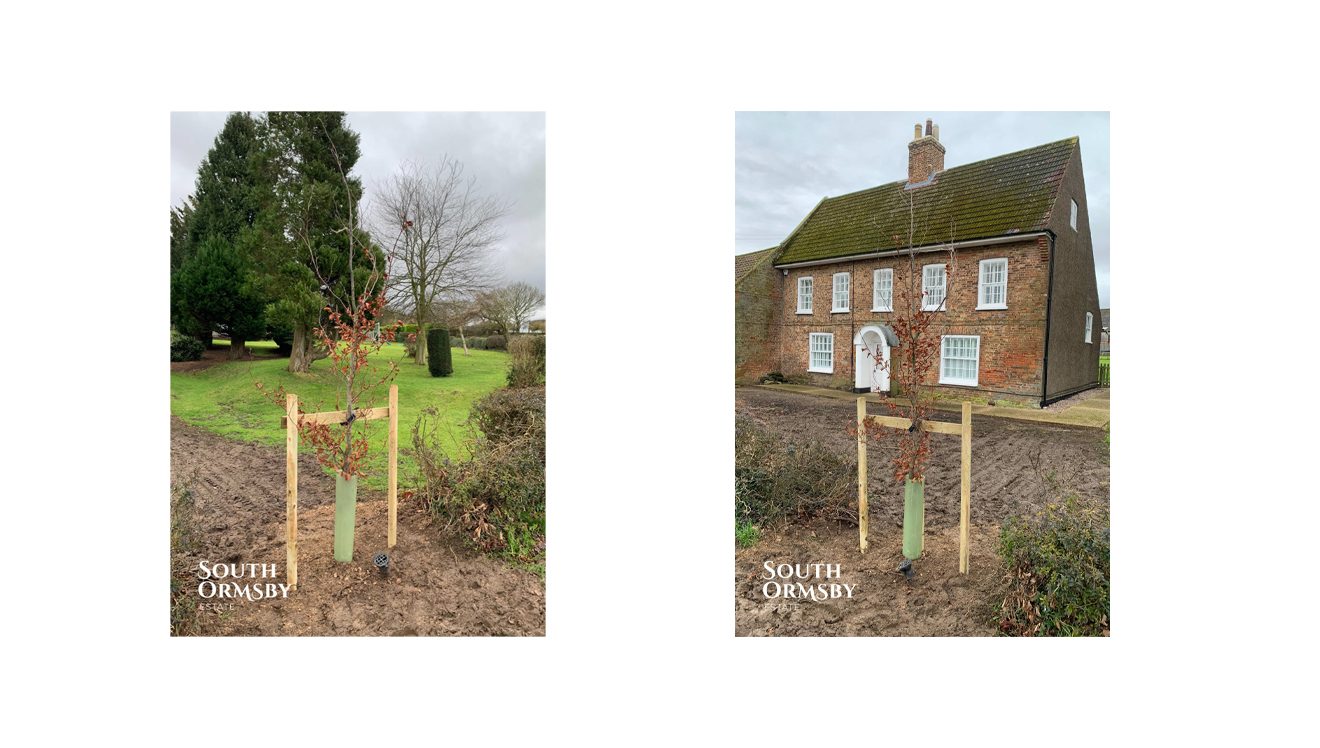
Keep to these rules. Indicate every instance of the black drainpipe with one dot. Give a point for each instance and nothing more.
(1049, 305)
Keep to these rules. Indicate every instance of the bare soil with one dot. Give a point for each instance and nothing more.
(435, 586)
(1017, 466)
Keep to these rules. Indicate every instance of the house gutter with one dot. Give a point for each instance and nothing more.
(1049, 307)
(1004, 239)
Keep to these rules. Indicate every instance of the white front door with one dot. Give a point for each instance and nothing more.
(872, 350)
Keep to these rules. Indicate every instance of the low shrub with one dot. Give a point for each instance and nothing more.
(774, 377)
(775, 481)
(495, 499)
(508, 413)
(527, 354)
(496, 343)
(1058, 567)
(439, 359)
(184, 348)
(476, 344)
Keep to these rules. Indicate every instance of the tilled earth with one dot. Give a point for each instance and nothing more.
(1017, 466)
(435, 586)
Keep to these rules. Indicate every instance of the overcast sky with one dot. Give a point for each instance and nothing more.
(787, 161)
(504, 151)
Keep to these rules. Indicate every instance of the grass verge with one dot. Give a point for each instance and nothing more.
(224, 399)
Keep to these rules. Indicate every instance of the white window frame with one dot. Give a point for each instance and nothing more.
(811, 285)
(973, 382)
(926, 304)
(1090, 320)
(981, 285)
(1072, 217)
(879, 273)
(811, 357)
(834, 293)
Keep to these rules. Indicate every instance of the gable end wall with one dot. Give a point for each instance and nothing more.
(1074, 365)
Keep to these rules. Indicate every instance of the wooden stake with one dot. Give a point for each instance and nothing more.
(965, 518)
(861, 471)
(392, 533)
(291, 488)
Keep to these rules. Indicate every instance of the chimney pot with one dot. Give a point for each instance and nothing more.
(937, 132)
(916, 131)
(928, 126)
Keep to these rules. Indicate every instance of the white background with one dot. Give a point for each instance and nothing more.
(1213, 459)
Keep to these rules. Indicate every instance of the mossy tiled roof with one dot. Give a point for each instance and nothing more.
(742, 264)
(1006, 194)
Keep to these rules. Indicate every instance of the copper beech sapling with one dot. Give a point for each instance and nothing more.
(349, 335)
(915, 322)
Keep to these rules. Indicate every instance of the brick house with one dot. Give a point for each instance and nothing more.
(1020, 314)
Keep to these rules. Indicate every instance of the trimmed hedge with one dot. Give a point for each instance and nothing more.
(496, 343)
(439, 359)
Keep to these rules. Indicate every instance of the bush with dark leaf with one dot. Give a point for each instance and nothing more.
(439, 359)
(184, 348)
(1058, 566)
(495, 343)
(776, 481)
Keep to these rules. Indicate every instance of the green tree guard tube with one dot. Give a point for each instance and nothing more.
(346, 517)
(914, 518)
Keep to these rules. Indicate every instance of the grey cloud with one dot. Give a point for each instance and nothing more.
(787, 161)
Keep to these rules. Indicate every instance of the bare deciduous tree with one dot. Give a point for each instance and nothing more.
(510, 306)
(448, 231)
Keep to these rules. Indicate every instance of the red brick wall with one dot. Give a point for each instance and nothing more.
(756, 322)
(1012, 340)
(925, 157)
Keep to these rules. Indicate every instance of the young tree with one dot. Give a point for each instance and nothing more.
(349, 336)
(449, 229)
(916, 322)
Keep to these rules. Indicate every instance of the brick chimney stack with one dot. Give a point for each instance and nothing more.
(925, 153)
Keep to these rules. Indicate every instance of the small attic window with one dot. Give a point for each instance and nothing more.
(1072, 217)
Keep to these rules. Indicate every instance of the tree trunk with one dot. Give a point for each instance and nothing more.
(300, 359)
(237, 348)
(463, 338)
(421, 343)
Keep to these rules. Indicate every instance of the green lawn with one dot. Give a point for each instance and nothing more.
(225, 400)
